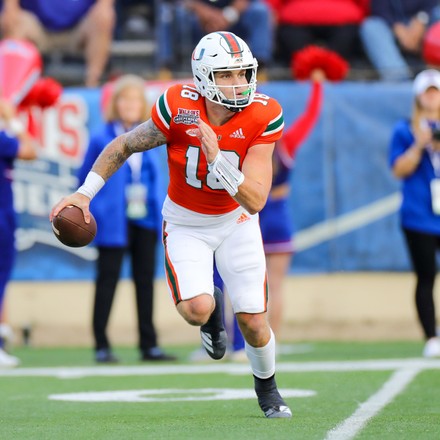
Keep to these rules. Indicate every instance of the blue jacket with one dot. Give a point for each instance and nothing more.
(109, 205)
(57, 15)
(8, 152)
(416, 211)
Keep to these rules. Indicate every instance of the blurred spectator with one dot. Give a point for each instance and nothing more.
(181, 24)
(333, 24)
(128, 212)
(316, 65)
(15, 143)
(415, 158)
(66, 25)
(135, 19)
(275, 221)
(392, 36)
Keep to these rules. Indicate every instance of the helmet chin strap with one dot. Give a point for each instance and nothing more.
(231, 105)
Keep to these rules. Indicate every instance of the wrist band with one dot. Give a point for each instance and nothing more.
(229, 176)
(93, 183)
(231, 14)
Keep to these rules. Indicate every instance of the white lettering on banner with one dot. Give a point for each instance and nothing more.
(36, 199)
(64, 134)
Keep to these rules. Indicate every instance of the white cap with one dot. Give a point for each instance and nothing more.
(426, 79)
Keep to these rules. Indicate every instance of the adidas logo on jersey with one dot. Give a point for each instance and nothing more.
(238, 134)
(243, 218)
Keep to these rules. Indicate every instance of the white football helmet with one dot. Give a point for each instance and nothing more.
(220, 51)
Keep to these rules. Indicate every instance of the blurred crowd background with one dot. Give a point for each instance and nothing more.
(381, 39)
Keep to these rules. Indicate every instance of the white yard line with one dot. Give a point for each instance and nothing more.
(351, 426)
(222, 367)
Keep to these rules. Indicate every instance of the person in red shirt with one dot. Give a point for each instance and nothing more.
(333, 24)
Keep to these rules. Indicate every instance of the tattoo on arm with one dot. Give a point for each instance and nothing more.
(145, 137)
(142, 138)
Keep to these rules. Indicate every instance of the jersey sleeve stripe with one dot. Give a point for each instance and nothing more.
(275, 125)
(163, 110)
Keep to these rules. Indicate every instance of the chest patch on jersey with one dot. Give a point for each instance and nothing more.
(187, 117)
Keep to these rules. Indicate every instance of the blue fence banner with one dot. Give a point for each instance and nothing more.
(344, 199)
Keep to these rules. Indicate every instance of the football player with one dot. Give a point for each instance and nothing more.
(220, 136)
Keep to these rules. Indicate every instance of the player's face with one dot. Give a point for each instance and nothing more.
(231, 83)
(129, 105)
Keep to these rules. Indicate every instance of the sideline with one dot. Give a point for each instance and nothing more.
(239, 369)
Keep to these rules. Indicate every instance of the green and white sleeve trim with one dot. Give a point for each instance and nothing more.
(275, 125)
(163, 110)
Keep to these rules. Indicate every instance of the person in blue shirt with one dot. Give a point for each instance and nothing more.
(128, 215)
(75, 26)
(415, 159)
(15, 143)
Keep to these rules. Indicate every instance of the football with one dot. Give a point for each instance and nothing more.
(71, 229)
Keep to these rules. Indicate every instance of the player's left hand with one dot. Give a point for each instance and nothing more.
(208, 140)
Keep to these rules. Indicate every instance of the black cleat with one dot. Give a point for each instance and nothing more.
(270, 400)
(213, 334)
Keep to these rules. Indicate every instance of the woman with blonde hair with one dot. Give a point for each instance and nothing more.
(128, 214)
(415, 158)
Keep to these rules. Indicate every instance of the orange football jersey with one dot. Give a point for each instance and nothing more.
(191, 184)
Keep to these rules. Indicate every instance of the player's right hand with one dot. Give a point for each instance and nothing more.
(75, 199)
(208, 140)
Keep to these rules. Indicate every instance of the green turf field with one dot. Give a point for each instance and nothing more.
(336, 391)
